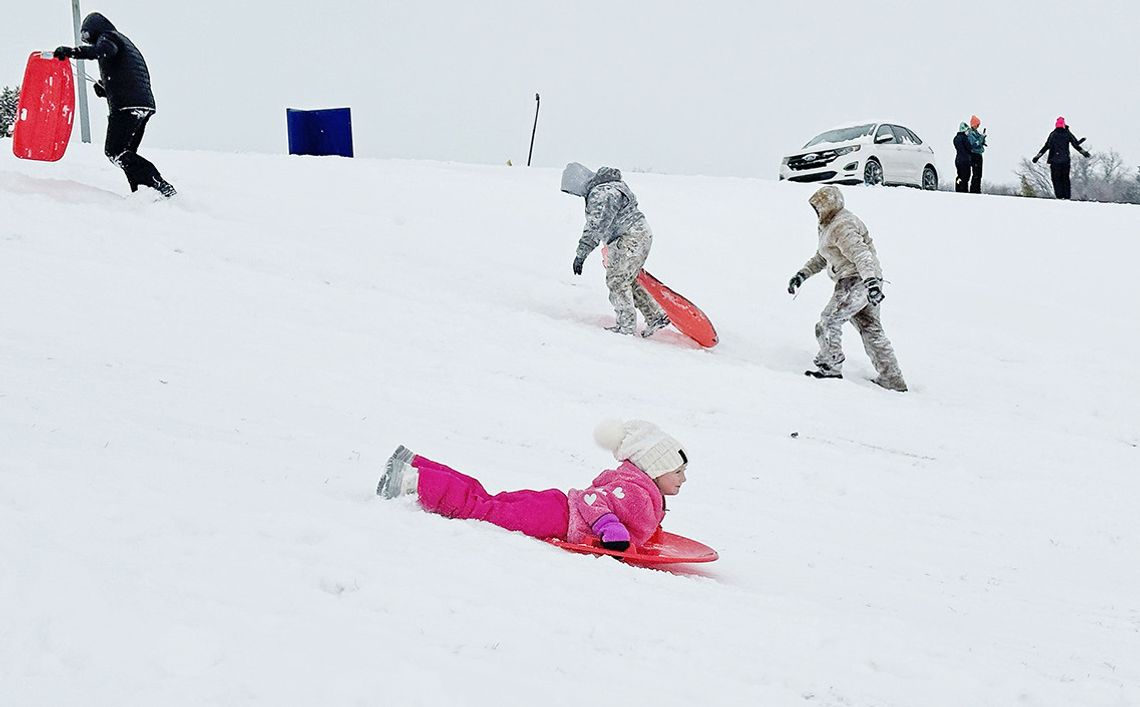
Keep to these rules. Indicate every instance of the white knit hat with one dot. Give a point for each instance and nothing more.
(642, 443)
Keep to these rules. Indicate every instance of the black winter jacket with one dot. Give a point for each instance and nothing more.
(122, 69)
(962, 150)
(1057, 144)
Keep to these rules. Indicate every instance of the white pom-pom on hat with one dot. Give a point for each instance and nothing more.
(642, 443)
(609, 434)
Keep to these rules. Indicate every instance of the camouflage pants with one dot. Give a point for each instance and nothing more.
(849, 302)
(626, 258)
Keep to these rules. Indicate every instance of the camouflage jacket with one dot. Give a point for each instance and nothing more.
(845, 246)
(611, 210)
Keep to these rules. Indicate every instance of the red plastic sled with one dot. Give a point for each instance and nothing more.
(46, 109)
(661, 549)
(684, 315)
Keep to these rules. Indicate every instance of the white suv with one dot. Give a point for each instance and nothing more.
(870, 153)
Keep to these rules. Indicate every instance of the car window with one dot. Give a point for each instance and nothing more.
(885, 129)
(907, 135)
(842, 134)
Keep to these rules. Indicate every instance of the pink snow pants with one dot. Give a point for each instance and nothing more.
(443, 490)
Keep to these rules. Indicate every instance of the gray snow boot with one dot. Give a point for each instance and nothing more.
(890, 383)
(654, 326)
(400, 476)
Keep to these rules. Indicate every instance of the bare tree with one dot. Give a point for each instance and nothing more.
(1034, 179)
(1102, 177)
(9, 100)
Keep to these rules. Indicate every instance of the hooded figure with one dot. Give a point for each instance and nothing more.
(612, 218)
(846, 250)
(124, 81)
(962, 159)
(1057, 145)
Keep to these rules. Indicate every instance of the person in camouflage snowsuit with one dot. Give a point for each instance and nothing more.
(846, 250)
(612, 218)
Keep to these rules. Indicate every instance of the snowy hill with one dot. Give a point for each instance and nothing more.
(196, 398)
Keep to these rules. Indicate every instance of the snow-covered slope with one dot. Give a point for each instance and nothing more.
(196, 399)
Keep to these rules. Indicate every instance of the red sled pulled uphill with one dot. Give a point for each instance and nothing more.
(662, 548)
(46, 110)
(685, 316)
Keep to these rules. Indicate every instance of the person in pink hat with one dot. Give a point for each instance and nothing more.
(977, 140)
(1057, 145)
(622, 506)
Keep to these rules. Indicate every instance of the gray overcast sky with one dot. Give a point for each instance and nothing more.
(710, 87)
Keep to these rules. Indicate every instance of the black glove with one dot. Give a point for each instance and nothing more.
(1035, 158)
(578, 262)
(63, 53)
(99, 90)
(796, 281)
(1086, 154)
(874, 290)
(617, 545)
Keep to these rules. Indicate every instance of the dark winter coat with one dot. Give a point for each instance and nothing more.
(122, 70)
(1057, 144)
(962, 150)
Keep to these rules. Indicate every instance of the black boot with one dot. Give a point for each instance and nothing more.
(163, 187)
(823, 371)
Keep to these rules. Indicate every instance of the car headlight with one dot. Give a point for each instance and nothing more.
(784, 162)
(846, 150)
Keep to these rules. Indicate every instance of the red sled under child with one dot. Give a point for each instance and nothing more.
(662, 548)
(46, 109)
(619, 514)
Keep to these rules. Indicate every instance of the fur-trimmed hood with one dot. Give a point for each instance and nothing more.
(827, 202)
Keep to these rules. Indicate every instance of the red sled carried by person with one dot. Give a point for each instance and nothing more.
(46, 109)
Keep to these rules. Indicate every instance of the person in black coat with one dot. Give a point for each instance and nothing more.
(1057, 144)
(963, 158)
(124, 81)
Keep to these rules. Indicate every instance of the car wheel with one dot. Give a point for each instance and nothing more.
(873, 172)
(929, 178)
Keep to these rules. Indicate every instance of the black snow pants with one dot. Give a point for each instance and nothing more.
(124, 133)
(975, 173)
(962, 183)
(1061, 185)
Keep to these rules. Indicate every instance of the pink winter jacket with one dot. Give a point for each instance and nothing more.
(628, 493)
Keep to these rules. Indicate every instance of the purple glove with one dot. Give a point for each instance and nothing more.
(614, 535)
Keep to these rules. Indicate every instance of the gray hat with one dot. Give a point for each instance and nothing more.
(575, 178)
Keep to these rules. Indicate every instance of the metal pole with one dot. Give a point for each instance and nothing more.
(84, 120)
(537, 103)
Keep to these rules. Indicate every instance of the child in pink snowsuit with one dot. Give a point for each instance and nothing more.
(622, 506)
